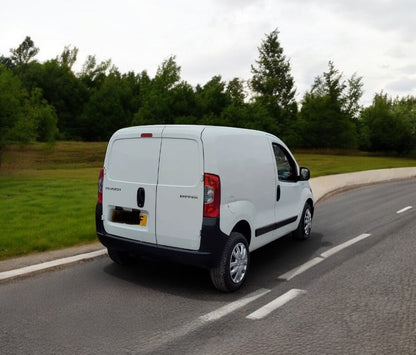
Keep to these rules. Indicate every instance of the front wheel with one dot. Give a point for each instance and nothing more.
(303, 231)
(231, 271)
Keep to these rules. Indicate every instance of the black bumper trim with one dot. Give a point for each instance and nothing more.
(208, 255)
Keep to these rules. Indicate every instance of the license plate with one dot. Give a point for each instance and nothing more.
(143, 220)
(129, 217)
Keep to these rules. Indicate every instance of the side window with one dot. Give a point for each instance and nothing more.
(286, 168)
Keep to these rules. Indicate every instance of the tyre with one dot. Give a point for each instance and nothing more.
(231, 271)
(303, 231)
(120, 257)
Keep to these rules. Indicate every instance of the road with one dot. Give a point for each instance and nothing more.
(350, 289)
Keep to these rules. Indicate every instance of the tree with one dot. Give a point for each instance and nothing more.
(6, 61)
(24, 116)
(390, 125)
(44, 115)
(273, 83)
(168, 74)
(110, 107)
(212, 99)
(235, 90)
(15, 121)
(183, 104)
(157, 99)
(328, 118)
(68, 57)
(323, 125)
(25, 52)
(61, 89)
(93, 74)
(353, 96)
(344, 94)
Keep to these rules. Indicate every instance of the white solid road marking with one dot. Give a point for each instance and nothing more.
(306, 266)
(275, 304)
(404, 209)
(50, 264)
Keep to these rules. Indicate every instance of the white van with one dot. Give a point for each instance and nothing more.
(200, 195)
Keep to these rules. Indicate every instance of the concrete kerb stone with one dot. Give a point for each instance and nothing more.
(42, 261)
(322, 188)
(50, 265)
(325, 186)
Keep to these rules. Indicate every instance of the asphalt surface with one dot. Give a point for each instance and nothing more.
(356, 300)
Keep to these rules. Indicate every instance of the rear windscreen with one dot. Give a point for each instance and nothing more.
(134, 160)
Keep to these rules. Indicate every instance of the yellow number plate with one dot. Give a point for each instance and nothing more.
(143, 220)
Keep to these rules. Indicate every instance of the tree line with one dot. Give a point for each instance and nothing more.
(49, 100)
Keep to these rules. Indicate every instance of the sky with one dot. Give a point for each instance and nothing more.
(375, 39)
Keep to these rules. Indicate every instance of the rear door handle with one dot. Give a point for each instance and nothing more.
(140, 197)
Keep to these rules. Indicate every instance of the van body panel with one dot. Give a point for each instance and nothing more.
(244, 161)
(235, 212)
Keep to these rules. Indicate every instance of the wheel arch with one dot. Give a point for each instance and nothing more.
(310, 202)
(244, 228)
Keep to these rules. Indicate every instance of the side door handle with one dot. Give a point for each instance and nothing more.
(140, 197)
(278, 193)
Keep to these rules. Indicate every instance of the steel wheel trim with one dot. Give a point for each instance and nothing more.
(238, 263)
(307, 221)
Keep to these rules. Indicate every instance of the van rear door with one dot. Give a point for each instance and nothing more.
(180, 190)
(130, 181)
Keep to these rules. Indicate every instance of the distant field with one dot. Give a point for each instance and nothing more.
(48, 193)
(63, 155)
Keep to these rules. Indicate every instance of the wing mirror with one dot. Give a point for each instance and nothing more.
(304, 174)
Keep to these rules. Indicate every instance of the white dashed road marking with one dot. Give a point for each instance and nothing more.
(233, 306)
(160, 339)
(298, 270)
(404, 209)
(275, 304)
(306, 266)
(342, 246)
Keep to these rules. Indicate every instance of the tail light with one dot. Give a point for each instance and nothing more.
(100, 186)
(212, 195)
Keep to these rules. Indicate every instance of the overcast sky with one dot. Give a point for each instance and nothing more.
(374, 38)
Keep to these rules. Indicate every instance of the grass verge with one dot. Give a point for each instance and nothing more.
(46, 211)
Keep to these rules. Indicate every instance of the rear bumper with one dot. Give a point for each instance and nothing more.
(208, 255)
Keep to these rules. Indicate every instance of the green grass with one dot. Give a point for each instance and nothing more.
(48, 193)
(46, 211)
(48, 196)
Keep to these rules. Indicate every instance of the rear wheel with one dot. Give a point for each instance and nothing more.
(120, 257)
(231, 271)
(303, 231)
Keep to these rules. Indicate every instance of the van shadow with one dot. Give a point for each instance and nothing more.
(266, 264)
(165, 277)
(283, 255)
